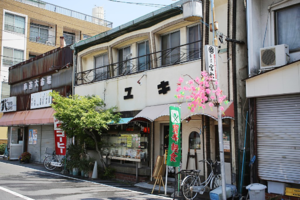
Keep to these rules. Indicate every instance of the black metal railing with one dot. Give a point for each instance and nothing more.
(168, 57)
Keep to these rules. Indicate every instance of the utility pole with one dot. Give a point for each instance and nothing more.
(220, 126)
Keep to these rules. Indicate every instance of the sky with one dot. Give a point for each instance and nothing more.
(118, 13)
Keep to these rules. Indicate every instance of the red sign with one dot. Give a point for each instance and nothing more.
(60, 142)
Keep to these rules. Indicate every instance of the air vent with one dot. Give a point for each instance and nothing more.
(268, 57)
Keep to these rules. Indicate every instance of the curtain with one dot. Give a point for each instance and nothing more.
(19, 24)
(288, 27)
(194, 49)
(101, 67)
(8, 55)
(9, 22)
(18, 56)
(34, 34)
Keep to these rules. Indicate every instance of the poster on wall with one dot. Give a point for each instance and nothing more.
(32, 137)
(41, 99)
(226, 140)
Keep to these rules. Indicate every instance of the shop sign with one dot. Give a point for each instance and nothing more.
(211, 59)
(41, 99)
(295, 192)
(60, 138)
(174, 149)
(60, 142)
(9, 104)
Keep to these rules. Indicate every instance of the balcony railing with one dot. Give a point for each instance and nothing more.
(68, 12)
(168, 57)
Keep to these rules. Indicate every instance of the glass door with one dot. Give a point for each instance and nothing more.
(16, 142)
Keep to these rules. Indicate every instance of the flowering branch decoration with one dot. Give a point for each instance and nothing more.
(200, 91)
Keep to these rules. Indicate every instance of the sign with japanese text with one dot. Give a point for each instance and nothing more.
(174, 151)
(60, 138)
(41, 99)
(9, 104)
(60, 142)
(211, 60)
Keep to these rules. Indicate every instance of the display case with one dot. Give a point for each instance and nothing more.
(127, 143)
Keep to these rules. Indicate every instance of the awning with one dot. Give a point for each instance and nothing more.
(151, 113)
(122, 121)
(211, 112)
(29, 117)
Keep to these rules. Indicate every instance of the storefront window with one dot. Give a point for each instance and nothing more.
(17, 135)
(128, 142)
(194, 140)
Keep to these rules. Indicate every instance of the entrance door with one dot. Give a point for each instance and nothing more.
(16, 142)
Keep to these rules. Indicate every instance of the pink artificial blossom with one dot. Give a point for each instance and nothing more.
(211, 104)
(178, 88)
(180, 80)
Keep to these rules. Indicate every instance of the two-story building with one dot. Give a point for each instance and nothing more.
(273, 87)
(27, 112)
(136, 67)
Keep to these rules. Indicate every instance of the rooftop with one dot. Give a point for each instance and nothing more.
(67, 12)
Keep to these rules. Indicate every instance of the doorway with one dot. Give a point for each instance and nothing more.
(16, 142)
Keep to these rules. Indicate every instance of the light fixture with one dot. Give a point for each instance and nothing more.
(188, 119)
(139, 81)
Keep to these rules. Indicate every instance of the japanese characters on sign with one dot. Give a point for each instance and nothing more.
(211, 60)
(41, 99)
(60, 138)
(9, 104)
(36, 83)
(174, 151)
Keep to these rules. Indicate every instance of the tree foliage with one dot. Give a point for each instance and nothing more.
(83, 116)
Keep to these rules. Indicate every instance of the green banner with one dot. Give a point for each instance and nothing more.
(174, 151)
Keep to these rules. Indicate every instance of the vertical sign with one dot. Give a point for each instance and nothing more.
(60, 138)
(211, 60)
(174, 151)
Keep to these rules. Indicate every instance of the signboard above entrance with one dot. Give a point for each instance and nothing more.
(41, 99)
(9, 104)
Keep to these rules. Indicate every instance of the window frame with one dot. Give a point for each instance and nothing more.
(200, 40)
(169, 40)
(121, 67)
(69, 33)
(101, 67)
(147, 57)
(14, 14)
(39, 26)
(271, 28)
(13, 63)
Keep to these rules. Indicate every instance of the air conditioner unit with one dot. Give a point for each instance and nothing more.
(48, 43)
(274, 56)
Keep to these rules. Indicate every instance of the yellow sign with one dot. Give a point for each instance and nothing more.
(129, 141)
(292, 192)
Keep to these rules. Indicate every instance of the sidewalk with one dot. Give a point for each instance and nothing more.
(140, 187)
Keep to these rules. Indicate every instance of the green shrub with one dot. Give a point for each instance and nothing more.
(2, 148)
(109, 173)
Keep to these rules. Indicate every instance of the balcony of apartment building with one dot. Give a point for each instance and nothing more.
(171, 54)
(67, 12)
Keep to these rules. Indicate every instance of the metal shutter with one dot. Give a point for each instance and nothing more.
(278, 138)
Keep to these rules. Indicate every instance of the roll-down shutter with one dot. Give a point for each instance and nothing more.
(278, 138)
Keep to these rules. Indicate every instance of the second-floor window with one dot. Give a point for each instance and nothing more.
(39, 33)
(144, 59)
(12, 56)
(170, 48)
(194, 46)
(14, 23)
(69, 38)
(287, 27)
(101, 65)
(124, 60)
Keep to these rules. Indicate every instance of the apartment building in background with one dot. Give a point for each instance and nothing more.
(30, 28)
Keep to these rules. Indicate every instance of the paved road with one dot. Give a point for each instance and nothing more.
(18, 182)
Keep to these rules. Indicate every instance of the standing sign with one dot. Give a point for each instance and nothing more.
(174, 151)
(9, 104)
(211, 59)
(60, 138)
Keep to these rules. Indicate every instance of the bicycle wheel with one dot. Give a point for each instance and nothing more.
(216, 181)
(47, 162)
(187, 183)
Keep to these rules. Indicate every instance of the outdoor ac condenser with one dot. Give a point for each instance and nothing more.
(274, 56)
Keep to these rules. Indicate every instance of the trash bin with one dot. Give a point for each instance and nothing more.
(256, 191)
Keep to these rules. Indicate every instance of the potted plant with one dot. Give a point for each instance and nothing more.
(25, 157)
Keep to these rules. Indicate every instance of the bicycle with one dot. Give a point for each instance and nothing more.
(52, 160)
(192, 185)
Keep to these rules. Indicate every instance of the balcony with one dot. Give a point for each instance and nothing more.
(67, 12)
(174, 56)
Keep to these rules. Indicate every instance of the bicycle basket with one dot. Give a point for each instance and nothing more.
(49, 151)
(217, 168)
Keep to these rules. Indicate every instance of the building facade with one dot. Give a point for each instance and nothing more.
(136, 67)
(273, 90)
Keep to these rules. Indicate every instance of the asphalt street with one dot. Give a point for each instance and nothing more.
(28, 182)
